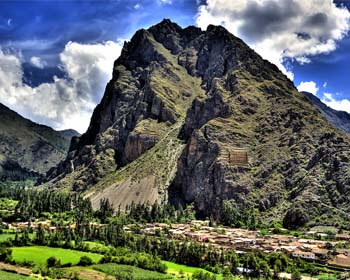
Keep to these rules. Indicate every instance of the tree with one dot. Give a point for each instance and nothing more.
(40, 236)
(53, 262)
(264, 268)
(5, 254)
(200, 275)
(296, 274)
(85, 261)
(230, 214)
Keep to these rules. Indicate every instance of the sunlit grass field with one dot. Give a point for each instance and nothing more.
(39, 255)
(4, 275)
(132, 271)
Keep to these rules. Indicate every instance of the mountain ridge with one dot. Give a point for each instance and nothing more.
(183, 108)
(339, 119)
(29, 149)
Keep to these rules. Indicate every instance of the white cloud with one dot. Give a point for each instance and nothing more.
(67, 102)
(169, 2)
(37, 62)
(280, 29)
(309, 87)
(325, 84)
(340, 105)
(137, 6)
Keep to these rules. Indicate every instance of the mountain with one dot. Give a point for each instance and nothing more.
(340, 119)
(194, 116)
(69, 133)
(28, 149)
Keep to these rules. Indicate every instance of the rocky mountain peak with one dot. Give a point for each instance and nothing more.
(194, 116)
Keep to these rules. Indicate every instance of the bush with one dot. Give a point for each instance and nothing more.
(85, 261)
(5, 254)
(200, 275)
(53, 262)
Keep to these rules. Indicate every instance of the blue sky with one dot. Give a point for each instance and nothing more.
(56, 56)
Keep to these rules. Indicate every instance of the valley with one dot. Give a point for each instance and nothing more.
(201, 161)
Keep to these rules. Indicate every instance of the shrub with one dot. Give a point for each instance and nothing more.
(200, 275)
(53, 262)
(85, 261)
(5, 254)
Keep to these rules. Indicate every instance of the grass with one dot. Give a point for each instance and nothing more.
(13, 276)
(180, 269)
(134, 272)
(11, 236)
(326, 277)
(39, 254)
(97, 247)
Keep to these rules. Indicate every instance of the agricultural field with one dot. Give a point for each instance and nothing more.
(132, 271)
(4, 275)
(96, 247)
(183, 270)
(6, 236)
(326, 277)
(39, 254)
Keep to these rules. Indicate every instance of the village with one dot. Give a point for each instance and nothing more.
(241, 240)
(313, 246)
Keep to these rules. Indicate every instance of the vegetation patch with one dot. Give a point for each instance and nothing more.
(125, 271)
(38, 255)
(14, 276)
(180, 269)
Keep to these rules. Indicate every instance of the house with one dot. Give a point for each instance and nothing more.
(304, 255)
(321, 254)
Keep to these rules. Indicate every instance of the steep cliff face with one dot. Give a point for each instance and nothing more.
(195, 116)
(28, 149)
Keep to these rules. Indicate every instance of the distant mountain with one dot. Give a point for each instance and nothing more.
(339, 119)
(69, 133)
(28, 149)
(197, 117)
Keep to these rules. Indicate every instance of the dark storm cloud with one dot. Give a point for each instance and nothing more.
(262, 20)
(317, 20)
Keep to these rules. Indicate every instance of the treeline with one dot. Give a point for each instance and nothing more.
(33, 203)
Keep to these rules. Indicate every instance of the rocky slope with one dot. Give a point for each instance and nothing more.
(28, 149)
(194, 116)
(339, 119)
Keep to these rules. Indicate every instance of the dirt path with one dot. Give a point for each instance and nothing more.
(17, 269)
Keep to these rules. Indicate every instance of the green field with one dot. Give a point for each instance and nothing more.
(326, 277)
(132, 271)
(6, 236)
(4, 275)
(95, 246)
(178, 269)
(39, 254)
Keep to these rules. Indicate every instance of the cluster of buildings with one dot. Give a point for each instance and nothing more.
(242, 241)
